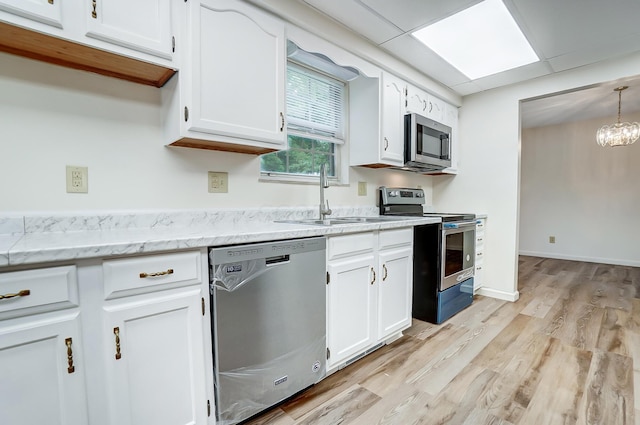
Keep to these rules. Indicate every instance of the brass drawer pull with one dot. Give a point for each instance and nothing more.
(384, 268)
(116, 332)
(50, 1)
(71, 368)
(94, 14)
(22, 293)
(386, 143)
(145, 275)
(374, 276)
(281, 122)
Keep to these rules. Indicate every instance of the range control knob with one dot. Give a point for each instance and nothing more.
(420, 194)
(394, 193)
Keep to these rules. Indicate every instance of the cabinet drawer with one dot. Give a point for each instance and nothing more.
(130, 276)
(395, 237)
(42, 290)
(344, 246)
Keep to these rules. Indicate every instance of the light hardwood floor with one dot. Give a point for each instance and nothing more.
(567, 352)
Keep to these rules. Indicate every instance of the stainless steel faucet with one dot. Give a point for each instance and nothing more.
(324, 183)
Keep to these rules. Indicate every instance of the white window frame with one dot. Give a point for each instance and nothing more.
(341, 149)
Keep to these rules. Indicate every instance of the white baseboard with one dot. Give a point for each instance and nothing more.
(501, 295)
(613, 261)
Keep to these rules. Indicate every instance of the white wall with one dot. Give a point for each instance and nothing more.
(51, 117)
(490, 151)
(584, 195)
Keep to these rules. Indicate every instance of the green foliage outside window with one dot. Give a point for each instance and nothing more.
(304, 157)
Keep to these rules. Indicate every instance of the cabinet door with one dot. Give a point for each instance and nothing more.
(351, 305)
(416, 101)
(42, 371)
(154, 368)
(142, 25)
(435, 108)
(392, 143)
(45, 11)
(394, 296)
(239, 65)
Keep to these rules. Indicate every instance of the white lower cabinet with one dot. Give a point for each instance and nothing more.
(394, 291)
(107, 342)
(155, 367)
(42, 369)
(368, 291)
(351, 304)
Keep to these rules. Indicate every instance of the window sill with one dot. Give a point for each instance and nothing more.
(289, 179)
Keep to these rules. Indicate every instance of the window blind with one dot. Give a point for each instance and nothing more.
(315, 105)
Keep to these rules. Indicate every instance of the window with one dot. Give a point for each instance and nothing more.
(315, 126)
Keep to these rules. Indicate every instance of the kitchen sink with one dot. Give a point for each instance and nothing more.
(337, 220)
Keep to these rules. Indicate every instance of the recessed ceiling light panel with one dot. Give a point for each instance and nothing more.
(479, 41)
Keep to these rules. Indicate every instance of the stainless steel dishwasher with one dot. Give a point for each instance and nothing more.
(268, 312)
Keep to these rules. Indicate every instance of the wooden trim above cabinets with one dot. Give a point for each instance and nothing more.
(187, 142)
(42, 47)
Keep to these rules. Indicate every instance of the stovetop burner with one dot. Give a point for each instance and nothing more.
(402, 201)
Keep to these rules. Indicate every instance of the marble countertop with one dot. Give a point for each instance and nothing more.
(60, 237)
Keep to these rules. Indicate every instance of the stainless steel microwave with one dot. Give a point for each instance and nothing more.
(427, 144)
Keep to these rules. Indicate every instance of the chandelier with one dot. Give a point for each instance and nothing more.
(618, 134)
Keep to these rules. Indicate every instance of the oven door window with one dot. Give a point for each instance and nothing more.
(431, 142)
(458, 253)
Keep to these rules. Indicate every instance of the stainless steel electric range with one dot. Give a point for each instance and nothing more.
(443, 255)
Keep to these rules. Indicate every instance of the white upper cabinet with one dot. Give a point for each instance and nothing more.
(376, 114)
(416, 101)
(130, 40)
(435, 108)
(451, 119)
(46, 11)
(143, 25)
(232, 88)
(392, 143)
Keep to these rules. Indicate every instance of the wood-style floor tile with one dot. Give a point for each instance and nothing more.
(566, 353)
(609, 395)
(341, 409)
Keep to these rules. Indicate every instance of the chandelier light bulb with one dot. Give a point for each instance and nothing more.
(620, 133)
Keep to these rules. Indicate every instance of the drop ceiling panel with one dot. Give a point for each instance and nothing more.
(526, 72)
(411, 51)
(560, 27)
(596, 53)
(357, 18)
(411, 14)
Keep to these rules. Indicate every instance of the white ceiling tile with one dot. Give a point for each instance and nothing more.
(467, 88)
(358, 18)
(523, 73)
(411, 51)
(411, 14)
(596, 53)
(559, 27)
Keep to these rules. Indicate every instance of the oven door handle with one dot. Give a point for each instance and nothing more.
(459, 225)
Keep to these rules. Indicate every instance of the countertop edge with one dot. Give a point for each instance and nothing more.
(47, 247)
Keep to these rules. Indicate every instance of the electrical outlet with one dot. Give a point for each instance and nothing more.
(218, 182)
(77, 179)
(552, 239)
(362, 188)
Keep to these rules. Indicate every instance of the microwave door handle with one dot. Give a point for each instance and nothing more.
(445, 145)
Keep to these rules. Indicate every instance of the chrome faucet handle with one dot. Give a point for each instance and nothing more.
(327, 211)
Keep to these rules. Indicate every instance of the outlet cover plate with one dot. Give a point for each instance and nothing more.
(218, 182)
(77, 179)
(362, 188)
